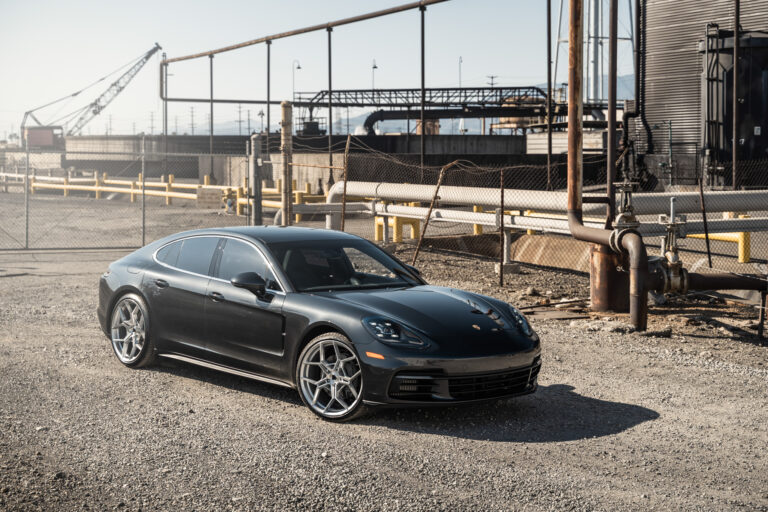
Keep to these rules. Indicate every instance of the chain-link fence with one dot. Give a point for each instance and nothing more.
(119, 196)
(98, 193)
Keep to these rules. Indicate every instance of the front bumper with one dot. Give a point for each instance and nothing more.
(432, 381)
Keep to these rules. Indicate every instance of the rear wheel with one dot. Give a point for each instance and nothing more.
(330, 379)
(129, 331)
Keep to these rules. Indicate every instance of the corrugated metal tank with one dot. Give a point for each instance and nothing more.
(672, 74)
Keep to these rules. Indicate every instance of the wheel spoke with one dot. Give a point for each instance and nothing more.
(341, 402)
(352, 390)
(317, 394)
(338, 354)
(125, 349)
(313, 382)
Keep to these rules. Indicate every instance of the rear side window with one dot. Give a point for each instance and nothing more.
(169, 254)
(237, 257)
(195, 254)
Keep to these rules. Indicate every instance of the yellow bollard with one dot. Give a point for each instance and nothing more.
(31, 184)
(133, 193)
(397, 230)
(168, 189)
(239, 194)
(477, 229)
(745, 242)
(66, 186)
(307, 188)
(97, 184)
(298, 198)
(206, 180)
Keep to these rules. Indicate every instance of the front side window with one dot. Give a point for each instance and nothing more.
(339, 265)
(238, 257)
(196, 253)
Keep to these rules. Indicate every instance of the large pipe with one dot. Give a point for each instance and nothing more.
(522, 222)
(611, 163)
(575, 129)
(313, 28)
(632, 243)
(726, 282)
(644, 204)
(735, 144)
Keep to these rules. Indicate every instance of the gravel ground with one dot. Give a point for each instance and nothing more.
(622, 421)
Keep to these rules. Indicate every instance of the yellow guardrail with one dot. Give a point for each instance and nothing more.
(170, 189)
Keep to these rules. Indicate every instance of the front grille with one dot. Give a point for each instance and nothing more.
(436, 386)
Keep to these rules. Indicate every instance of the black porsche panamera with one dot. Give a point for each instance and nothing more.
(325, 312)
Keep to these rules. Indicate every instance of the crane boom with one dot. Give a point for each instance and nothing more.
(110, 94)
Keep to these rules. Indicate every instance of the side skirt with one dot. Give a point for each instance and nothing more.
(226, 369)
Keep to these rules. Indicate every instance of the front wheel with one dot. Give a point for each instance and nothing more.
(129, 332)
(330, 378)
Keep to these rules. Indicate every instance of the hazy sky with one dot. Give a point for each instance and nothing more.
(53, 48)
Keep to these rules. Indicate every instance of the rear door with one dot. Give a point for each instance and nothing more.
(176, 290)
(244, 330)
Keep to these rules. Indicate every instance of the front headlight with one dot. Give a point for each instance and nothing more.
(392, 333)
(520, 321)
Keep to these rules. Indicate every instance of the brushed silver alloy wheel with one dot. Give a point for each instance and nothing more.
(128, 331)
(330, 378)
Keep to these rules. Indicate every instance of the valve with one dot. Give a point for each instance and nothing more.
(675, 276)
(626, 218)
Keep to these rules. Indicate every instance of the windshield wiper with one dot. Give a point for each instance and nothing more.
(407, 275)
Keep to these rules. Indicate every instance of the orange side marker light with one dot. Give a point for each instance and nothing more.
(374, 355)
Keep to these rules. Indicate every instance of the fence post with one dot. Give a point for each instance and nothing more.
(346, 175)
(168, 188)
(502, 247)
(435, 197)
(286, 148)
(27, 191)
(143, 194)
(254, 171)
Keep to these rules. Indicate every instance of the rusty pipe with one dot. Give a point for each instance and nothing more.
(575, 131)
(724, 281)
(632, 243)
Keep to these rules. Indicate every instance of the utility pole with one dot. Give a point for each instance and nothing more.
(110, 124)
(192, 120)
(239, 119)
(151, 123)
(492, 79)
(261, 115)
(249, 121)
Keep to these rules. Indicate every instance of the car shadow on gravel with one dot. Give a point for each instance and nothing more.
(553, 414)
(226, 380)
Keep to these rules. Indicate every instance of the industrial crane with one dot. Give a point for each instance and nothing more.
(94, 108)
(110, 94)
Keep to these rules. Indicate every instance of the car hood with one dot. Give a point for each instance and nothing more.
(445, 315)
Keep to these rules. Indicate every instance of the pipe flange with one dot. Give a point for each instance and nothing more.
(616, 236)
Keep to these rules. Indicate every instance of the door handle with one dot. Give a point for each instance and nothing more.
(161, 283)
(216, 297)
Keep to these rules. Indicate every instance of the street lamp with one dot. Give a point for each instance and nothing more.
(261, 115)
(374, 67)
(294, 66)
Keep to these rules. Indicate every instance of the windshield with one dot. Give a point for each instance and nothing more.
(339, 265)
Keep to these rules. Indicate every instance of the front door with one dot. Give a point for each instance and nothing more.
(176, 291)
(244, 330)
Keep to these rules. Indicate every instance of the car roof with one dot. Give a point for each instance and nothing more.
(274, 234)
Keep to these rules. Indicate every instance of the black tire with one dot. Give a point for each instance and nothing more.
(131, 309)
(341, 388)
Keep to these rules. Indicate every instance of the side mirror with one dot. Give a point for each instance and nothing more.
(251, 281)
(413, 269)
